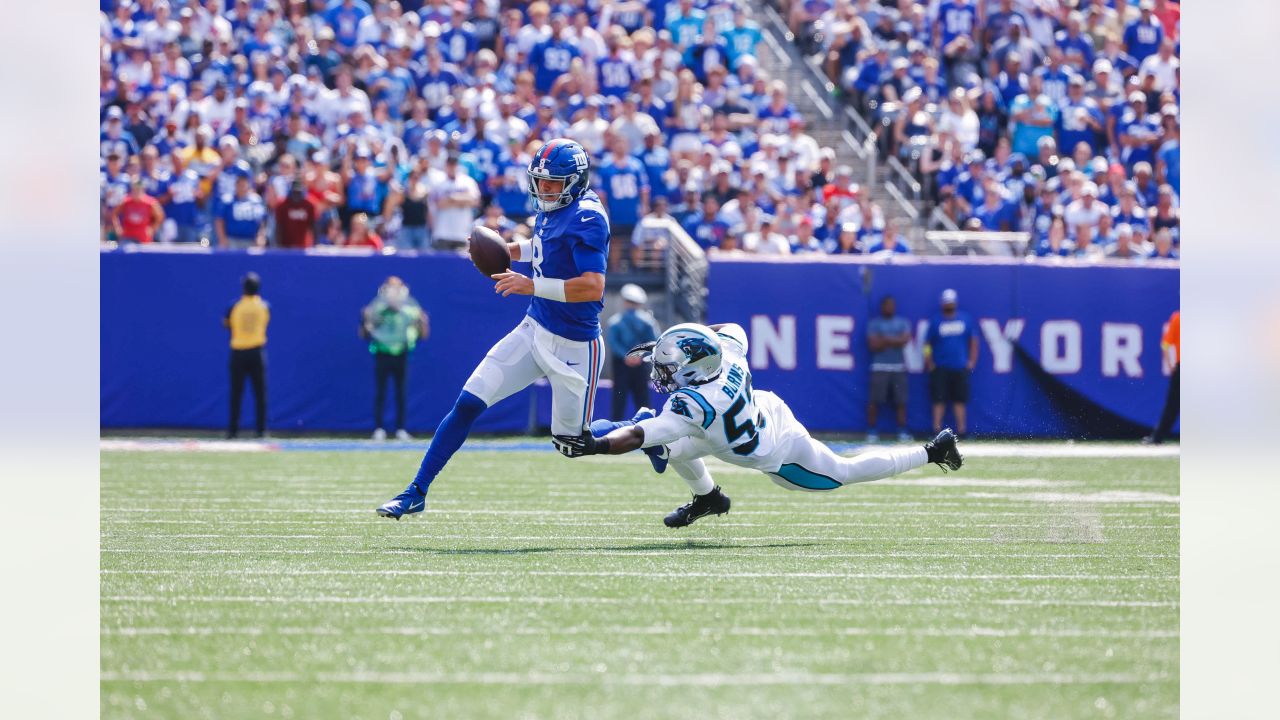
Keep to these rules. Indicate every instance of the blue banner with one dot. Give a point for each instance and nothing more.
(1065, 351)
(165, 352)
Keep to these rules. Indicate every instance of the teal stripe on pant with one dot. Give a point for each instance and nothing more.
(801, 476)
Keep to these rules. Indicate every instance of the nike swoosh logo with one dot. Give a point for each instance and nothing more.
(415, 507)
(569, 363)
(586, 219)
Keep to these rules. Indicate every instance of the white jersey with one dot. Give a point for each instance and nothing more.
(732, 421)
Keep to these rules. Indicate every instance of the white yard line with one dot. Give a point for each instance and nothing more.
(468, 507)
(664, 680)
(1109, 513)
(292, 572)
(851, 525)
(970, 450)
(660, 630)
(714, 553)
(594, 600)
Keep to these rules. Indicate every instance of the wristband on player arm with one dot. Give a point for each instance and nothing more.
(525, 247)
(549, 288)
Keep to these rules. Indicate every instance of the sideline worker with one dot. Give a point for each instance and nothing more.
(247, 320)
(393, 324)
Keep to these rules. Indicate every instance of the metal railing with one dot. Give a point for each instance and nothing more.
(686, 271)
(979, 242)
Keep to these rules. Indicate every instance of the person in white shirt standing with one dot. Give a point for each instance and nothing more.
(453, 203)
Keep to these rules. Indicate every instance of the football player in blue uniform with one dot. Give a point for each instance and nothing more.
(560, 337)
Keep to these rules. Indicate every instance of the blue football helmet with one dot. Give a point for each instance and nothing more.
(559, 159)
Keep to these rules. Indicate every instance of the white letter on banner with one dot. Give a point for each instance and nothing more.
(1121, 347)
(1001, 341)
(833, 342)
(913, 353)
(1064, 360)
(779, 342)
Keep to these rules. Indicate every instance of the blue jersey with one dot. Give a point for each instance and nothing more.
(616, 77)
(567, 243)
(346, 22)
(621, 181)
(957, 20)
(740, 42)
(1072, 129)
(513, 194)
(242, 217)
(950, 338)
(459, 43)
(181, 207)
(485, 153)
(550, 59)
(1142, 39)
(656, 162)
(436, 87)
(685, 30)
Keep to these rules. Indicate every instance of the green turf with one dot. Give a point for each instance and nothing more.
(262, 585)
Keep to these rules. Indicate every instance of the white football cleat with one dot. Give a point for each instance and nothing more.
(403, 435)
(379, 435)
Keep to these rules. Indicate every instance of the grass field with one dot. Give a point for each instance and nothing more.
(261, 584)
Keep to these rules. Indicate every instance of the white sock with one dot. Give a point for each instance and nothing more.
(880, 464)
(695, 475)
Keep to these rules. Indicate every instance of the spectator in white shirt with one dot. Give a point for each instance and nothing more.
(959, 120)
(632, 125)
(767, 241)
(803, 147)
(1162, 66)
(453, 201)
(589, 130)
(1085, 212)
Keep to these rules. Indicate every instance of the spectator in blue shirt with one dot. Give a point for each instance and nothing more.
(1138, 132)
(1031, 117)
(458, 39)
(950, 355)
(616, 73)
(708, 52)
(888, 334)
(552, 57)
(241, 219)
(890, 242)
(741, 39)
(344, 17)
(995, 213)
(1142, 37)
(625, 330)
(684, 24)
(623, 187)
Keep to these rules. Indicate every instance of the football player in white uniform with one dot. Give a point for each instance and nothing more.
(713, 410)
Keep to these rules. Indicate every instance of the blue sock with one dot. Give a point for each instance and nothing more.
(449, 437)
(600, 428)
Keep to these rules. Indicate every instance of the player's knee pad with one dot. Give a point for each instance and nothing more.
(469, 406)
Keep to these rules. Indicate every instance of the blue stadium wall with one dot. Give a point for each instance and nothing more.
(1066, 351)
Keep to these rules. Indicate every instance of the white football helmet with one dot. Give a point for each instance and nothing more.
(686, 354)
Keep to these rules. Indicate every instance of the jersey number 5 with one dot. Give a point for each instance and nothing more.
(733, 431)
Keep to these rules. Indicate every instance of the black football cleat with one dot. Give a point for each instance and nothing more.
(943, 451)
(713, 503)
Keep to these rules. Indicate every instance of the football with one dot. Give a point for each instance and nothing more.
(489, 252)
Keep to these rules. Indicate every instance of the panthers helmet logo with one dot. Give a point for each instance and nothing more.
(696, 348)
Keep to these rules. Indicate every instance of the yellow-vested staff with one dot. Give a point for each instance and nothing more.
(247, 320)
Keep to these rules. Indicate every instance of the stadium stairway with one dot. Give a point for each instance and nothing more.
(827, 121)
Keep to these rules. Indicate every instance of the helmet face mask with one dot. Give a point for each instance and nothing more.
(563, 160)
(684, 355)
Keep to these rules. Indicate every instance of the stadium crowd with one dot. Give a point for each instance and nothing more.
(294, 123)
(1059, 118)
